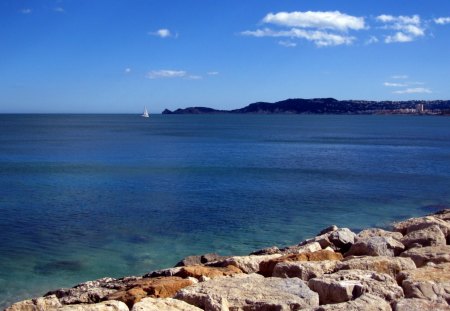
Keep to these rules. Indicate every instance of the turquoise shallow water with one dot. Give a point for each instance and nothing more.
(88, 196)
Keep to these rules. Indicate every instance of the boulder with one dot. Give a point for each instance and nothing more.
(267, 251)
(48, 303)
(366, 302)
(342, 239)
(328, 229)
(415, 304)
(250, 292)
(89, 292)
(372, 232)
(434, 254)
(428, 236)
(248, 264)
(266, 267)
(414, 224)
(429, 282)
(376, 246)
(163, 272)
(304, 270)
(348, 285)
(160, 287)
(382, 264)
(200, 272)
(199, 259)
(163, 304)
(305, 248)
(443, 214)
(101, 306)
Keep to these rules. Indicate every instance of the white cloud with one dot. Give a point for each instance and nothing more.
(442, 20)
(408, 28)
(162, 33)
(164, 73)
(416, 90)
(59, 10)
(212, 73)
(320, 38)
(322, 20)
(399, 77)
(390, 84)
(127, 70)
(372, 40)
(25, 11)
(194, 77)
(288, 44)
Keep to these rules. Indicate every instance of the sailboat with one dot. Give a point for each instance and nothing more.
(145, 114)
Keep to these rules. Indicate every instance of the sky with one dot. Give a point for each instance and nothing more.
(117, 56)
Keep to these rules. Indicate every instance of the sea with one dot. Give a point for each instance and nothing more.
(88, 196)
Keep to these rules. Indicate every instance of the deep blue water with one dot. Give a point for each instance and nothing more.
(88, 196)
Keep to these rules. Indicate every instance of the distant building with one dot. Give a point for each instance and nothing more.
(419, 108)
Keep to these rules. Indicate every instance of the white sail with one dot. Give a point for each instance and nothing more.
(145, 114)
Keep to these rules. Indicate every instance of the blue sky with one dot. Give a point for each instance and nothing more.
(113, 56)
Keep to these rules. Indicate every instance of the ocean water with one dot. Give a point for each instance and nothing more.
(88, 196)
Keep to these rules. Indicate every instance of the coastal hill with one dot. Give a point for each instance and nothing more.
(330, 106)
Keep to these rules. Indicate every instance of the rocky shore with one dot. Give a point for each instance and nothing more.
(407, 268)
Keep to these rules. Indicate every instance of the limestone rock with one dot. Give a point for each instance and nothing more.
(376, 246)
(248, 264)
(347, 285)
(266, 267)
(443, 214)
(298, 249)
(434, 254)
(429, 236)
(366, 302)
(163, 304)
(161, 287)
(342, 239)
(48, 303)
(429, 282)
(199, 272)
(199, 260)
(416, 304)
(88, 292)
(372, 232)
(101, 306)
(267, 251)
(163, 272)
(382, 264)
(328, 230)
(250, 292)
(414, 224)
(304, 270)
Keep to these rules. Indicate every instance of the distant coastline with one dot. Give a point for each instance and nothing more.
(330, 106)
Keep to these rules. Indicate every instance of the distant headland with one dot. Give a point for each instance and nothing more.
(331, 106)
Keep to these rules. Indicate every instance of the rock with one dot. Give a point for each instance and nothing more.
(267, 251)
(163, 272)
(414, 224)
(199, 260)
(38, 304)
(366, 302)
(429, 282)
(161, 287)
(422, 256)
(101, 306)
(382, 264)
(342, 239)
(250, 292)
(443, 214)
(298, 249)
(328, 230)
(372, 232)
(88, 292)
(416, 304)
(248, 264)
(376, 246)
(429, 236)
(347, 285)
(163, 304)
(266, 267)
(304, 270)
(210, 272)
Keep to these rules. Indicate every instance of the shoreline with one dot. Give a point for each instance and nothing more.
(407, 268)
